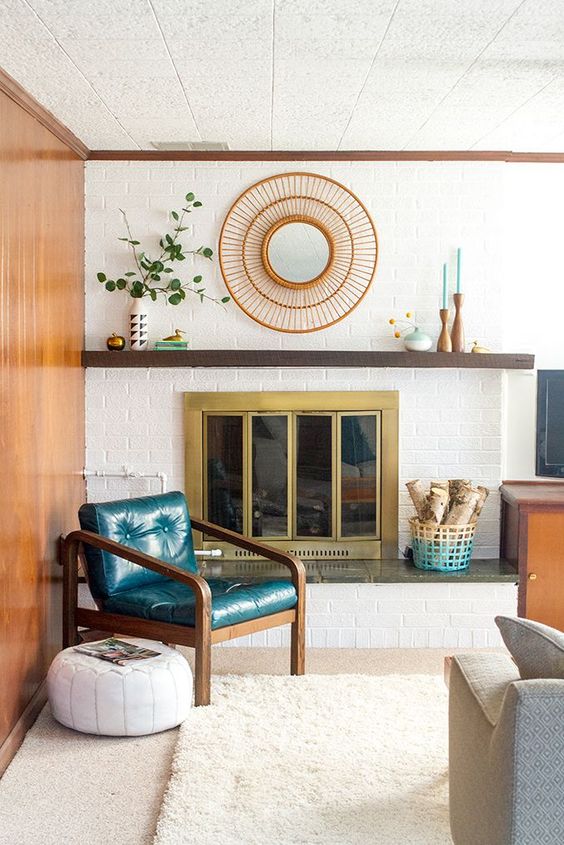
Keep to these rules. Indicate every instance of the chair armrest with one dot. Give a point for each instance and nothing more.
(293, 563)
(199, 585)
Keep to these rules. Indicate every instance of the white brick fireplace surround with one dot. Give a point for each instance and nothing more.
(451, 421)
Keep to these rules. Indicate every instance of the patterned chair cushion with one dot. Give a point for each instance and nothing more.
(537, 649)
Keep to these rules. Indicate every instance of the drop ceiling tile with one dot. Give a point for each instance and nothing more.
(83, 19)
(32, 57)
(313, 98)
(331, 29)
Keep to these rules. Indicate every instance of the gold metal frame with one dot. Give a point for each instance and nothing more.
(199, 405)
(262, 294)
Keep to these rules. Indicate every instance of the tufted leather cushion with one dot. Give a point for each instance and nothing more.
(169, 601)
(157, 525)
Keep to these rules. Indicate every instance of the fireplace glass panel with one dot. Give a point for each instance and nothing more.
(314, 470)
(269, 449)
(359, 475)
(225, 471)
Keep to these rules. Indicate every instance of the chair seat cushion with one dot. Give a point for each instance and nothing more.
(232, 602)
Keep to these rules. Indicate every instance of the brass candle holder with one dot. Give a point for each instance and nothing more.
(444, 343)
(457, 331)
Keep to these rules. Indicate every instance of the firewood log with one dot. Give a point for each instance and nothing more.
(463, 506)
(443, 485)
(456, 485)
(418, 497)
(437, 504)
(484, 493)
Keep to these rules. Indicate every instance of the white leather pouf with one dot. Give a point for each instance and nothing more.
(98, 697)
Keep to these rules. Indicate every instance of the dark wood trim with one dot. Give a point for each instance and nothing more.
(325, 155)
(19, 95)
(307, 358)
(17, 734)
(523, 563)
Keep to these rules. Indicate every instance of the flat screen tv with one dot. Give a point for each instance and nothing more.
(550, 423)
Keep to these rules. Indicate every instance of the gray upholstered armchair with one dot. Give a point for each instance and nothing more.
(506, 754)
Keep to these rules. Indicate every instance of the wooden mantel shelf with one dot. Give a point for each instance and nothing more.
(307, 358)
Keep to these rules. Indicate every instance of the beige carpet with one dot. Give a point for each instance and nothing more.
(317, 760)
(64, 788)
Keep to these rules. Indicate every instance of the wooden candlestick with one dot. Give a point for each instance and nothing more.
(444, 343)
(457, 333)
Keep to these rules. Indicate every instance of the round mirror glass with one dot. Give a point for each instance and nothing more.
(298, 252)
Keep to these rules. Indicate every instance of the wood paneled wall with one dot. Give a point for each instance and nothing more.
(41, 401)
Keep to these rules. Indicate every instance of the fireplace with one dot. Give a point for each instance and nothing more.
(314, 473)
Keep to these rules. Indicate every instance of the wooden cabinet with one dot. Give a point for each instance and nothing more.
(532, 538)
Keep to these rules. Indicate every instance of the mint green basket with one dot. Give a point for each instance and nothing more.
(443, 548)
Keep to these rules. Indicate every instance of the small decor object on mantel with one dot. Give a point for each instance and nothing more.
(138, 329)
(443, 531)
(444, 343)
(457, 332)
(115, 343)
(174, 342)
(415, 340)
(480, 349)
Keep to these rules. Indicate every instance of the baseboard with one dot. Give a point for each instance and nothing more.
(16, 736)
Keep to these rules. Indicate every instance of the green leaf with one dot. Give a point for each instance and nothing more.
(110, 285)
(207, 252)
(153, 295)
(101, 277)
(123, 239)
(197, 204)
(168, 239)
(137, 290)
(226, 299)
(155, 277)
(168, 270)
(175, 299)
(174, 215)
(175, 284)
(120, 284)
(189, 197)
(180, 257)
(131, 273)
(182, 293)
(197, 280)
(134, 243)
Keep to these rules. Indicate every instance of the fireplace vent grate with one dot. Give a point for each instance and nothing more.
(306, 553)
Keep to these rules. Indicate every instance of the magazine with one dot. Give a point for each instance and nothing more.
(116, 651)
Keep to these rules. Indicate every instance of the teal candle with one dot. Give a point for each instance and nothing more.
(445, 292)
(458, 259)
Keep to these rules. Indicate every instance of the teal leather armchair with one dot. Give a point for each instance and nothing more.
(139, 561)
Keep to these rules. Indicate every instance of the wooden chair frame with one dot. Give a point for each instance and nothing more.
(201, 637)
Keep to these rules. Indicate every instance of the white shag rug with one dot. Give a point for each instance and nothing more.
(314, 760)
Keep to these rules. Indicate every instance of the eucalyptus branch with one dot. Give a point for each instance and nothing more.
(141, 282)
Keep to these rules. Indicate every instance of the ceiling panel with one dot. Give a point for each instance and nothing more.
(286, 74)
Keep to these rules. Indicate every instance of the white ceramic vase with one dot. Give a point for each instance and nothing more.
(139, 327)
(417, 341)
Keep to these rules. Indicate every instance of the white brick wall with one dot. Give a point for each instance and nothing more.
(450, 420)
(399, 616)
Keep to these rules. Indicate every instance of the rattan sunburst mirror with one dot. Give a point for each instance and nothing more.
(298, 252)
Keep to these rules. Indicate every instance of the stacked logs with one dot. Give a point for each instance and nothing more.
(453, 502)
